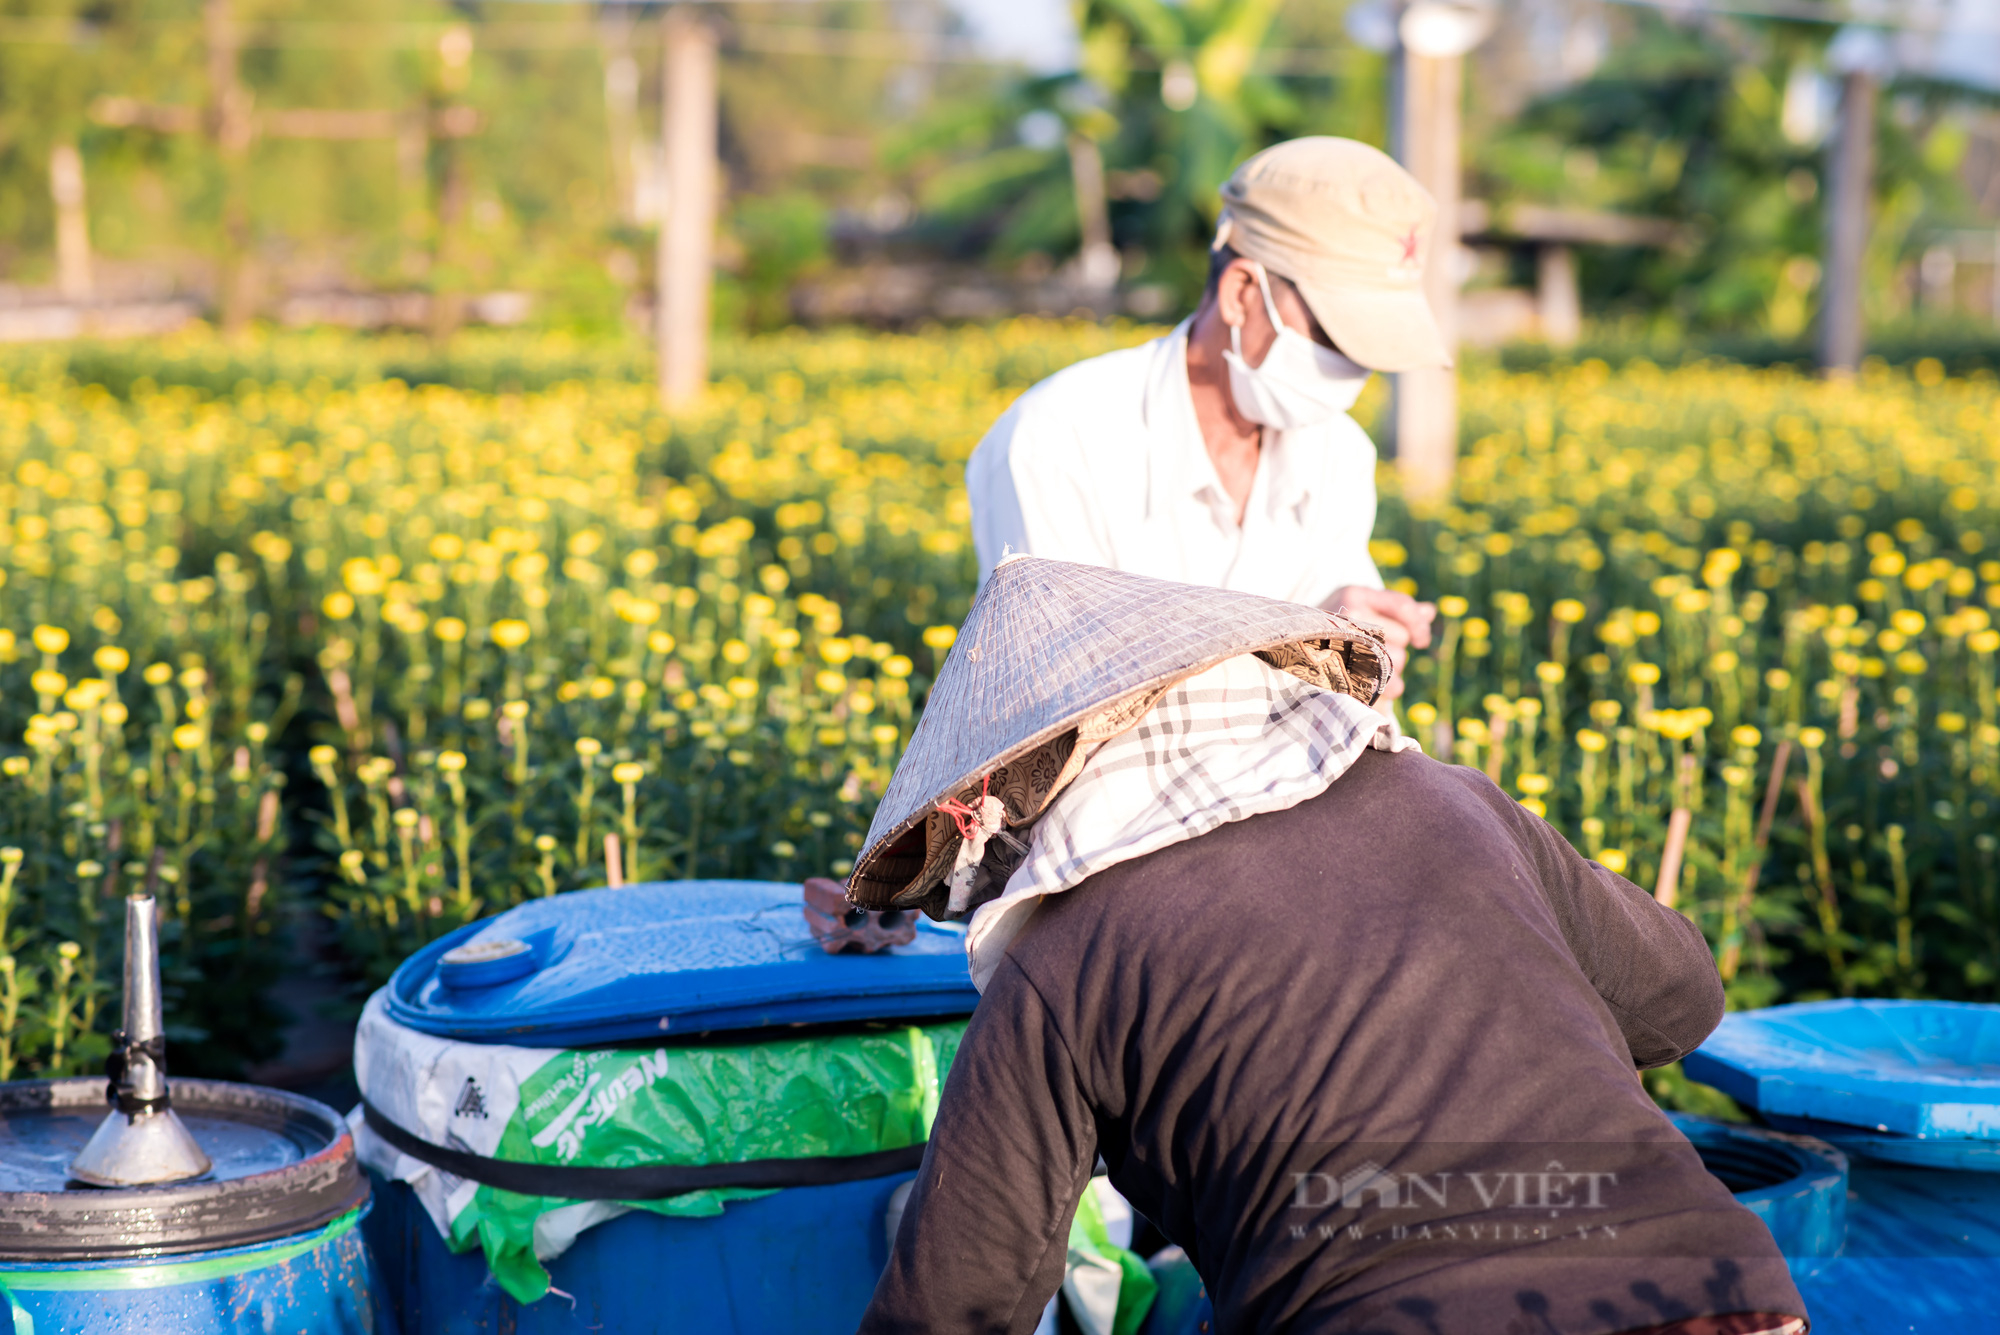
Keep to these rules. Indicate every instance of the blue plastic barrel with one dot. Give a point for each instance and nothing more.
(268, 1240)
(803, 1260)
(1182, 1306)
(674, 958)
(1796, 1185)
(315, 1283)
(1910, 1090)
(700, 963)
(1922, 1254)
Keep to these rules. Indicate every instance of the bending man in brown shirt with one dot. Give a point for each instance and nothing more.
(1367, 1054)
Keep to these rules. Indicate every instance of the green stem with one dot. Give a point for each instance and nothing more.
(1899, 871)
(585, 794)
(10, 1014)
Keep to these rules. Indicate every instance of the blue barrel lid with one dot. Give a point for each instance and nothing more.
(1958, 1154)
(670, 957)
(1796, 1185)
(1914, 1068)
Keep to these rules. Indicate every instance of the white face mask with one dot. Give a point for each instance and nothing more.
(1299, 384)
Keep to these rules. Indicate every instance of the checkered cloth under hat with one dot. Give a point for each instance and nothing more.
(1235, 741)
(1054, 660)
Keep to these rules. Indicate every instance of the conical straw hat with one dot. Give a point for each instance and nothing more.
(1052, 659)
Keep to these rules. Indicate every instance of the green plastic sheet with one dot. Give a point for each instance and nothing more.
(616, 1108)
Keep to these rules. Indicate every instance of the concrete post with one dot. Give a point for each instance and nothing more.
(1558, 306)
(1842, 335)
(1427, 400)
(231, 127)
(687, 235)
(73, 269)
(448, 276)
(1097, 262)
(413, 192)
(621, 109)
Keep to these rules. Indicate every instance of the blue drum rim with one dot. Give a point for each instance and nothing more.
(1813, 1186)
(188, 1218)
(125, 1272)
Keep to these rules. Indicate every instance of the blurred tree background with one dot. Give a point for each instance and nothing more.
(428, 149)
(1722, 129)
(488, 147)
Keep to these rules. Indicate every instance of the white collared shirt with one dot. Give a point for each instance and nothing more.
(1104, 463)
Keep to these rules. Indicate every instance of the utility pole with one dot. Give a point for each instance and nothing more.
(687, 234)
(1859, 56)
(1433, 39)
(1097, 262)
(1427, 399)
(231, 129)
(413, 195)
(1558, 307)
(448, 276)
(621, 109)
(73, 268)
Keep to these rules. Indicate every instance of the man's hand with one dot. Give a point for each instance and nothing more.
(1405, 622)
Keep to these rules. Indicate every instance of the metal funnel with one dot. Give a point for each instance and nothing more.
(141, 1142)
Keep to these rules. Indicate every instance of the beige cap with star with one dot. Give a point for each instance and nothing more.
(1353, 231)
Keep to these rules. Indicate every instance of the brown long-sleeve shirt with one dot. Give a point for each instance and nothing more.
(1369, 1060)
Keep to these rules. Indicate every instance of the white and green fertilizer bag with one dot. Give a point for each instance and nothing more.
(824, 1096)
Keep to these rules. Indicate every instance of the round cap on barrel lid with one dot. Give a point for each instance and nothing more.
(281, 1165)
(486, 962)
(671, 957)
(1912, 1068)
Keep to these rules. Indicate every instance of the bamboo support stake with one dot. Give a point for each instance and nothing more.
(1764, 817)
(1496, 753)
(1667, 889)
(1732, 951)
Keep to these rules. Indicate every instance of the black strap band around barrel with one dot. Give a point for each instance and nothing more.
(647, 1182)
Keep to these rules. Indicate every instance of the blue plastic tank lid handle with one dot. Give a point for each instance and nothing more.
(485, 962)
(1910, 1068)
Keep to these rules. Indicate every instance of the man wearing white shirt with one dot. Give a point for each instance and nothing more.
(1223, 454)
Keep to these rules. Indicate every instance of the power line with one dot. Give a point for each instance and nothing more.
(1871, 15)
(404, 35)
(760, 38)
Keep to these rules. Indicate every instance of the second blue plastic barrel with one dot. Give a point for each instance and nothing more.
(802, 1261)
(316, 1283)
(1796, 1185)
